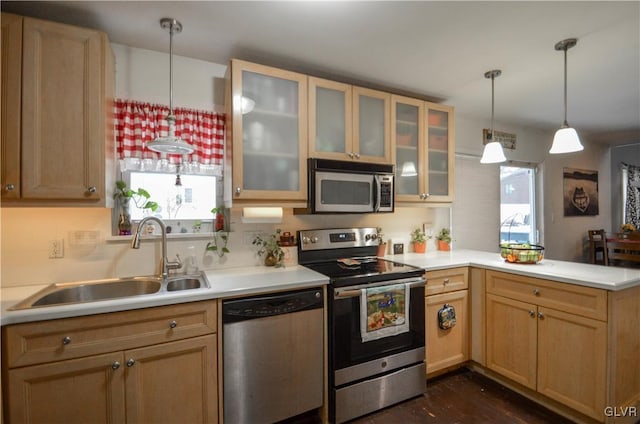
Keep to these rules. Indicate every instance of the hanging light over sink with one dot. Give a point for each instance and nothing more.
(171, 143)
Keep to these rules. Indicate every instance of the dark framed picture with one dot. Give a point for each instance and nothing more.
(580, 192)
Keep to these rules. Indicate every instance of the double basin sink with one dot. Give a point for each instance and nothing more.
(57, 294)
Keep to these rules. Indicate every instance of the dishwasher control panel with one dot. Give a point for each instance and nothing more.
(271, 305)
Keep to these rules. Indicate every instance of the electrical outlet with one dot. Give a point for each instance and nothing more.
(56, 248)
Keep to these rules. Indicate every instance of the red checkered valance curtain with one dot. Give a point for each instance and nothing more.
(138, 123)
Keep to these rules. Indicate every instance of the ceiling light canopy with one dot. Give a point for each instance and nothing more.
(171, 144)
(566, 139)
(493, 152)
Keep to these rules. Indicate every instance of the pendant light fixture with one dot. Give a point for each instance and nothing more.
(566, 139)
(170, 143)
(493, 152)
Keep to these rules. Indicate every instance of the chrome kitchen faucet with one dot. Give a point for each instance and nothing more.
(165, 264)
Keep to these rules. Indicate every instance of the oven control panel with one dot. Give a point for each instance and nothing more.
(337, 238)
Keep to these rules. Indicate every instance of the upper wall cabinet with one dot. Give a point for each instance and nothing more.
(440, 151)
(348, 122)
(423, 140)
(57, 138)
(267, 144)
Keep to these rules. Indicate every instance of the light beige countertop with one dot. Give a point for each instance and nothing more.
(233, 282)
(597, 276)
(225, 283)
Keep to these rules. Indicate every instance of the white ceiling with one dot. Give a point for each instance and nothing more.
(434, 50)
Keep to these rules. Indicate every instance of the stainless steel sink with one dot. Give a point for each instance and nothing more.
(91, 291)
(185, 283)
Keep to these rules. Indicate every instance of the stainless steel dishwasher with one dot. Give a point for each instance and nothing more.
(273, 356)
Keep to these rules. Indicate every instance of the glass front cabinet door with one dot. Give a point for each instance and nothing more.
(423, 139)
(440, 151)
(407, 116)
(269, 133)
(348, 122)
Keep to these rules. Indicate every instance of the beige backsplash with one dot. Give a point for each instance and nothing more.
(26, 232)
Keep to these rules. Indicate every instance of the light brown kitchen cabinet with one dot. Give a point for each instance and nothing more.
(11, 103)
(150, 365)
(268, 136)
(423, 136)
(550, 337)
(440, 151)
(66, 138)
(348, 122)
(447, 348)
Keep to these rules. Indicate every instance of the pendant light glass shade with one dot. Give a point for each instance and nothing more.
(493, 152)
(566, 139)
(171, 144)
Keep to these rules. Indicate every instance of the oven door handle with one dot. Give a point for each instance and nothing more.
(351, 292)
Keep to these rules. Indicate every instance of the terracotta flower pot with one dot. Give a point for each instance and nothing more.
(419, 247)
(382, 249)
(443, 245)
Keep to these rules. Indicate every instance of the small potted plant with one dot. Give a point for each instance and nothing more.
(419, 240)
(123, 196)
(269, 248)
(444, 239)
(382, 245)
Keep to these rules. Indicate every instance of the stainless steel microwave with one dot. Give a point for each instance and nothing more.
(350, 187)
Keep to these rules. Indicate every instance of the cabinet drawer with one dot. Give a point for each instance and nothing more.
(447, 280)
(579, 300)
(55, 340)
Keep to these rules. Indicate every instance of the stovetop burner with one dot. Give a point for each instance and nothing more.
(346, 256)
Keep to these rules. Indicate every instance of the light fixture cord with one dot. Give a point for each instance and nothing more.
(566, 124)
(492, 105)
(171, 26)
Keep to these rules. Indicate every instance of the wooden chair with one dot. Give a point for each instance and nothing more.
(627, 251)
(598, 244)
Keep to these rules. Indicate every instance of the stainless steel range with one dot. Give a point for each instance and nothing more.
(375, 321)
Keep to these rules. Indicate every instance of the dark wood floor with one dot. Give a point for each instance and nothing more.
(464, 397)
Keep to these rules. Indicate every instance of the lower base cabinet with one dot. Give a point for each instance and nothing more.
(450, 347)
(571, 344)
(170, 382)
(446, 348)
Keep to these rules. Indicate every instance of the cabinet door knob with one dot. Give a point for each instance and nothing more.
(130, 362)
(446, 281)
(536, 292)
(66, 340)
(92, 189)
(10, 187)
(115, 365)
(532, 313)
(357, 155)
(540, 315)
(238, 190)
(350, 154)
(173, 324)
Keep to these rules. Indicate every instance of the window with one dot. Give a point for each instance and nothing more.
(192, 201)
(517, 204)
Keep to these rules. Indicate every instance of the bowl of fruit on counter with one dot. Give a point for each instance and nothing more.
(521, 253)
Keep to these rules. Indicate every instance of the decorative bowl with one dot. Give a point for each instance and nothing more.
(521, 253)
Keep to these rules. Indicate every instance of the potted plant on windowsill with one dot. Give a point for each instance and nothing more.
(123, 197)
(444, 239)
(269, 248)
(419, 240)
(382, 245)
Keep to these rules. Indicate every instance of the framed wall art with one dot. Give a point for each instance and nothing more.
(580, 192)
